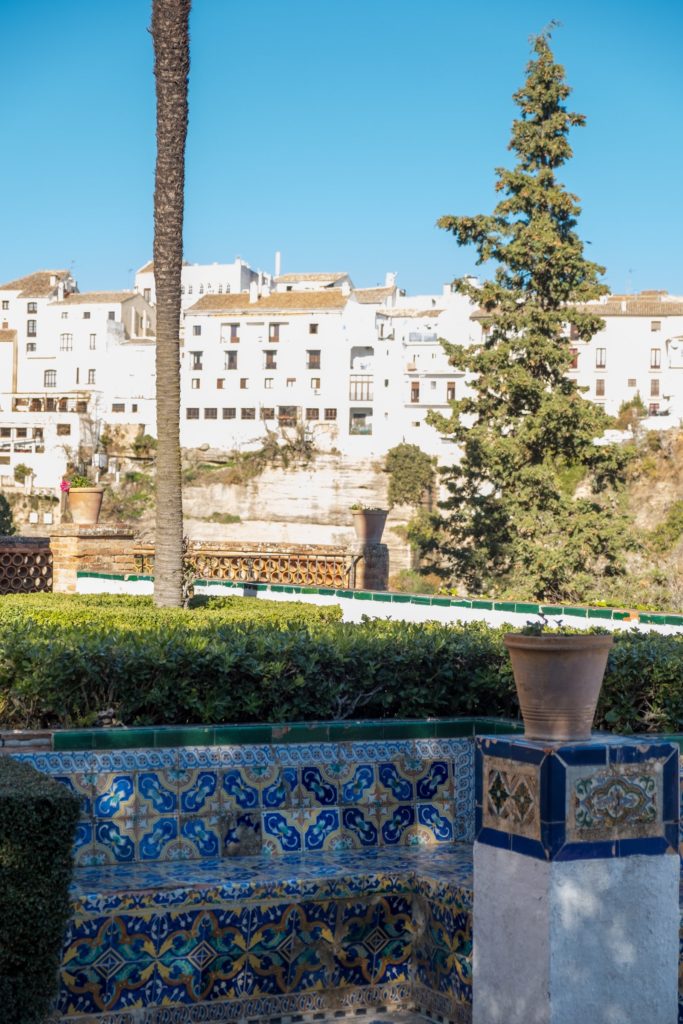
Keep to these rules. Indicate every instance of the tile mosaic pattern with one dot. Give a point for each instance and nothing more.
(194, 934)
(608, 797)
(190, 803)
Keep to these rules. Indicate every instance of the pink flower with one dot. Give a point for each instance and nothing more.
(65, 486)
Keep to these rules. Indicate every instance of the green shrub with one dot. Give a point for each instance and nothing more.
(7, 527)
(37, 823)
(64, 659)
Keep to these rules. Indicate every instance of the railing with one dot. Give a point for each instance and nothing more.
(25, 565)
(324, 567)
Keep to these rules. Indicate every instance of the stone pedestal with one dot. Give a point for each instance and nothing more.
(576, 882)
(106, 549)
(372, 567)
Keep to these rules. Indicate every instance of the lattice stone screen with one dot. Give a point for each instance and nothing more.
(25, 565)
(322, 568)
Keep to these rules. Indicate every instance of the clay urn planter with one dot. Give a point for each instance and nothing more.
(85, 501)
(369, 524)
(558, 680)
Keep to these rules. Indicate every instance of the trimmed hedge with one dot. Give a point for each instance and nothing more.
(37, 824)
(62, 660)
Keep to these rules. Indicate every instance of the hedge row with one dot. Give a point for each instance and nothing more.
(64, 660)
(38, 820)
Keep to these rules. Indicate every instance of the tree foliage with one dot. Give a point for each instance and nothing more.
(509, 524)
(411, 474)
(6, 521)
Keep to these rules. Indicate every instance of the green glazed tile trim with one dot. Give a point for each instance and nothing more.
(504, 606)
(550, 609)
(421, 600)
(236, 735)
(526, 609)
(488, 605)
(362, 595)
(344, 593)
(381, 597)
(401, 598)
(579, 612)
(599, 613)
(444, 602)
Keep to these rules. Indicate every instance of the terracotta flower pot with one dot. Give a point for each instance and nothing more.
(558, 680)
(85, 504)
(369, 524)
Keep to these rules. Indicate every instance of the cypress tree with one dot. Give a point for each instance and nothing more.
(512, 523)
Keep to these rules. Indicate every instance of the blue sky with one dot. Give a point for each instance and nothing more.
(335, 132)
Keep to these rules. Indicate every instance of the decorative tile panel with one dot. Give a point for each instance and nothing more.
(619, 801)
(511, 797)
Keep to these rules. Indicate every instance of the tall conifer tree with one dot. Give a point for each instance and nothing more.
(511, 522)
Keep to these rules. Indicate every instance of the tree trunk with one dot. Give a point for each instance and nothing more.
(170, 33)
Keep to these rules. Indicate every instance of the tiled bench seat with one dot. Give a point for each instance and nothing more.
(222, 939)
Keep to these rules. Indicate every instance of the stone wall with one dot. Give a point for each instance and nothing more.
(104, 549)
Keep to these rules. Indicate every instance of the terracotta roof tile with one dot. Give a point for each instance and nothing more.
(148, 268)
(369, 295)
(276, 302)
(37, 285)
(87, 298)
(292, 278)
(413, 314)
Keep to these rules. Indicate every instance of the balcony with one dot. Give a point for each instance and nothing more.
(422, 336)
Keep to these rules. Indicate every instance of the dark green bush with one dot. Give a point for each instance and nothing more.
(62, 660)
(37, 823)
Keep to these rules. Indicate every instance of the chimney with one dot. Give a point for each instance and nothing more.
(345, 288)
(390, 279)
(253, 292)
(60, 291)
(278, 261)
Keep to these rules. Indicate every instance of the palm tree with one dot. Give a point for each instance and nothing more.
(170, 32)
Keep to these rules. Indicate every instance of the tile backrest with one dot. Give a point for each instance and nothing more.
(152, 804)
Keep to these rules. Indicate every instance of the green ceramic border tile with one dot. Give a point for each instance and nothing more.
(653, 619)
(408, 730)
(551, 609)
(448, 729)
(401, 598)
(344, 593)
(328, 591)
(277, 588)
(442, 602)
(237, 735)
(347, 732)
(381, 597)
(599, 613)
(620, 616)
(504, 606)
(524, 608)
(72, 739)
(488, 605)
(184, 736)
(122, 739)
(300, 732)
(674, 620)
(461, 604)
(362, 595)
(420, 600)
(580, 613)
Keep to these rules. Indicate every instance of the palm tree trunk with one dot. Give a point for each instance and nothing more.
(170, 33)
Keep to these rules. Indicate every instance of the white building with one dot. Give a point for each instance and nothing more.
(639, 351)
(198, 279)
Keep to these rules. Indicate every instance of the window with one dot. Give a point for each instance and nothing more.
(234, 333)
(80, 406)
(573, 332)
(653, 409)
(600, 388)
(270, 360)
(65, 315)
(31, 307)
(66, 342)
(655, 325)
(330, 414)
(147, 294)
(86, 314)
(196, 360)
(78, 375)
(111, 315)
(31, 328)
(91, 376)
(5, 431)
(414, 392)
(220, 383)
(118, 407)
(228, 414)
(50, 405)
(574, 353)
(38, 433)
(195, 383)
(631, 382)
(192, 414)
(267, 413)
(268, 382)
(63, 429)
(211, 414)
(655, 358)
(248, 414)
(21, 432)
(196, 329)
(220, 289)
(312, 328)
(50, 379)
(315, 383)
(5, 303)
(230, 361)
(432, 385)
(30, 346)
(244, 384)
(287, 415)
(201, 289)
(654, 387)
(601, 358)
(134, 407)
(450, 391)
(273, 332)
(313, 360)
(290, 382)
(93, 342)
(312, 414)
(189, 289)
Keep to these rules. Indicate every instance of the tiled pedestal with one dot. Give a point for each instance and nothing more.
(576, 875)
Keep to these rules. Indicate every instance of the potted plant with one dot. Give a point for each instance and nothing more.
(368, 523)
(84, 499)
(558, 677)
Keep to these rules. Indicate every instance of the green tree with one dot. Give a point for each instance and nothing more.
(411, 474)
(170, 33)
(508, 526)
(6, 521)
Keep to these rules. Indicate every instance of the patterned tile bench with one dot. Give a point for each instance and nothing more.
(221, 882)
